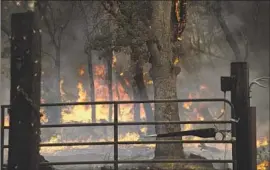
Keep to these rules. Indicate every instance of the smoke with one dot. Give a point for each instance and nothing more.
(241, 20)
(210, 68)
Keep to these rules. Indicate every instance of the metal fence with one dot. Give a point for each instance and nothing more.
(116, 124)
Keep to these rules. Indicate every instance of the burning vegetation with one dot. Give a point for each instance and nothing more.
(106, 82)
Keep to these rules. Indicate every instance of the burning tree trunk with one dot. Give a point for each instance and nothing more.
(163, 75)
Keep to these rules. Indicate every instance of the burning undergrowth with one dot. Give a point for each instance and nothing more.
(82, 114)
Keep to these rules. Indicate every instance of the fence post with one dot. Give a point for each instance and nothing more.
(252, 138)
(2, 135)
(240, 100)
(115, 127)
(25, 92)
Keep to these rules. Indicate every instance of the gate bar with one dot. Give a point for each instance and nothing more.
(132, 142)
(139, 161)
(136, 101)
(131, 123)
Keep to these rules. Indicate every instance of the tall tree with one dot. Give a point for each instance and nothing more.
(217, 10)
(149, 23)
(88, 52)
(56, 16)
(163, 75)
(109, 63)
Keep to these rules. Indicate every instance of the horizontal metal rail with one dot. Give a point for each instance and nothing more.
(135, 101)
(131, 123)
(139, 161)
(131, 142)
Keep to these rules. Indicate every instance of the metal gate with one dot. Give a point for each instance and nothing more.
(116, 124)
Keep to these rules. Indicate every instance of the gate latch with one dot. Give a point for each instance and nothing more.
(227, 83)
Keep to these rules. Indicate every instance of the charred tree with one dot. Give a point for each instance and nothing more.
(24, 135)
(139, 88)
(88, 52)
(91, 83)
(164, 76)
(134, 68)
(109, 55)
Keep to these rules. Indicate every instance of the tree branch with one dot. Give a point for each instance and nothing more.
(229, 36)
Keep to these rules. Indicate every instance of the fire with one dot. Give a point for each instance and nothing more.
(131, 136)
(199, 117)
(264, 165)
(18, 3)
(176, 61)
(150, 82)
(187, 105)
(187, 127)
(262, 142)
(78, 113)
(177, 10)
(83, 114)
(43, 118)
(57, 139)
(6, 121)
(62, 93)
(81, 71)
(99, 71)
(203, 87)
(114, 61)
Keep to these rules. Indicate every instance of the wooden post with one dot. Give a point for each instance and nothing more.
(25, 92)
(252, 138)
(241, 102)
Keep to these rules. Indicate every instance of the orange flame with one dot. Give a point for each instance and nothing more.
(81, 71)
(187, 105)
(264, 165)
(176, 10)
(114, 61)
(262, 142)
